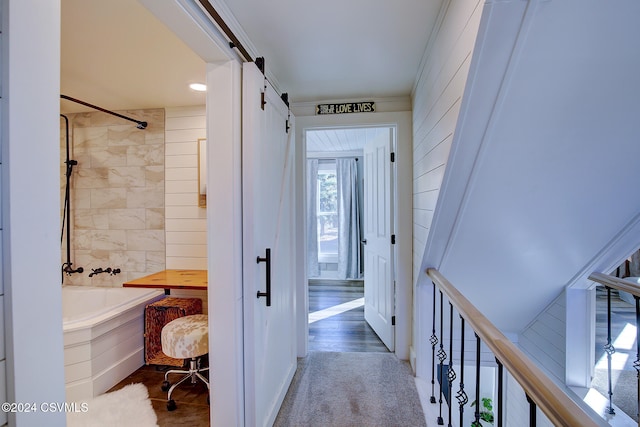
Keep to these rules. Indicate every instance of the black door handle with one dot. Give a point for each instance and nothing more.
(364, 242)
(267, 259)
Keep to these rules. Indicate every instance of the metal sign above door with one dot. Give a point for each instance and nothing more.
(346, 107)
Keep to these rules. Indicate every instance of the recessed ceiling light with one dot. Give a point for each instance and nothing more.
(198, 87)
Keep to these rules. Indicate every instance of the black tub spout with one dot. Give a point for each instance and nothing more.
(96, 271)
(109, 270)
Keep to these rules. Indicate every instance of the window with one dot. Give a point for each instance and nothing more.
(327, 212)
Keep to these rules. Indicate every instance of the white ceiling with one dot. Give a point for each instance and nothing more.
(117, 55)
(339, 49)
(341, 139)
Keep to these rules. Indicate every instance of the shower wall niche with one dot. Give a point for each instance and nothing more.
(117, 196)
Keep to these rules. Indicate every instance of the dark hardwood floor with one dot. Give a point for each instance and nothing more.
(191, 410)
(345, 331)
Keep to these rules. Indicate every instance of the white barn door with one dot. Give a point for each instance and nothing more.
(379, 288)
(268, 249)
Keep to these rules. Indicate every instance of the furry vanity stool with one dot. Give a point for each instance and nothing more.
(185, 338)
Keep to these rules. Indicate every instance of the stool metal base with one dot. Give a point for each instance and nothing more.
(194, 373)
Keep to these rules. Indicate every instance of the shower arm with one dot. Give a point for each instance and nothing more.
(141, 124)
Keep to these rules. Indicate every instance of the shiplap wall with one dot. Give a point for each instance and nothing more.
(436, 105)
(185, 221)
(517, 408)
(544, 340)
(435, 101)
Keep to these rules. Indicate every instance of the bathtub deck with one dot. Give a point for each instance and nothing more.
(191, 399)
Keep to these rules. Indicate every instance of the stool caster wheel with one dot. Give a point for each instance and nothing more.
(171, 405)
(165, 385)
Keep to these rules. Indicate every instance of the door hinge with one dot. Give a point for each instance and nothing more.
(393, 320)
(393, 157)
(259, 61)
(393, 239)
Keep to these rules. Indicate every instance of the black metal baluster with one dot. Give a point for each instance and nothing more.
(498, 414)
(442, 356)
(476, 423)
(451, 373)
(434, 341)
(532, 412)
(610, 349)
(461, 395)
(636, 364)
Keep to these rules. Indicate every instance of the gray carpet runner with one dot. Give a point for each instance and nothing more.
(351, 389)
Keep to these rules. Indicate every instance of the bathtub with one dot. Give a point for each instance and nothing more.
(103, 336)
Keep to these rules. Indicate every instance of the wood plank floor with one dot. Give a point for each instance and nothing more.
(191, 399)
(342, 332)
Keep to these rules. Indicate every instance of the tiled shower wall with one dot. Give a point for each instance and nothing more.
(117, 195)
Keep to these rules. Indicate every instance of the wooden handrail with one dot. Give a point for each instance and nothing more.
(551, 399)
(616, 283)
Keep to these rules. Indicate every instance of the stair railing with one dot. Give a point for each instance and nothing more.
(540, 391)
(610, 283)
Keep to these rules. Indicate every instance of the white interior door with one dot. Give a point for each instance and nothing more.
(268, 221)
(379, 288)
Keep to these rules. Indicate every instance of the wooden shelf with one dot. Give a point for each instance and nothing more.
(172, 279)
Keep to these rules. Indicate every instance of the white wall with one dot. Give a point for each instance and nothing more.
(516, 411)
(544, 340)
(401, 120)
(224, 237)
(186, 222)
(436, 105)
(224, 231)
(30, 208)
(531, 198)
(543, 124)
(3, 143)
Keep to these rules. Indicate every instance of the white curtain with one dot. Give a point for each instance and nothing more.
(313, 269)
(349, 219)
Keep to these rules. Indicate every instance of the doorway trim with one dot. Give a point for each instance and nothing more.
(401, 121)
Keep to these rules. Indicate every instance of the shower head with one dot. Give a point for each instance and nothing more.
(142, 125)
